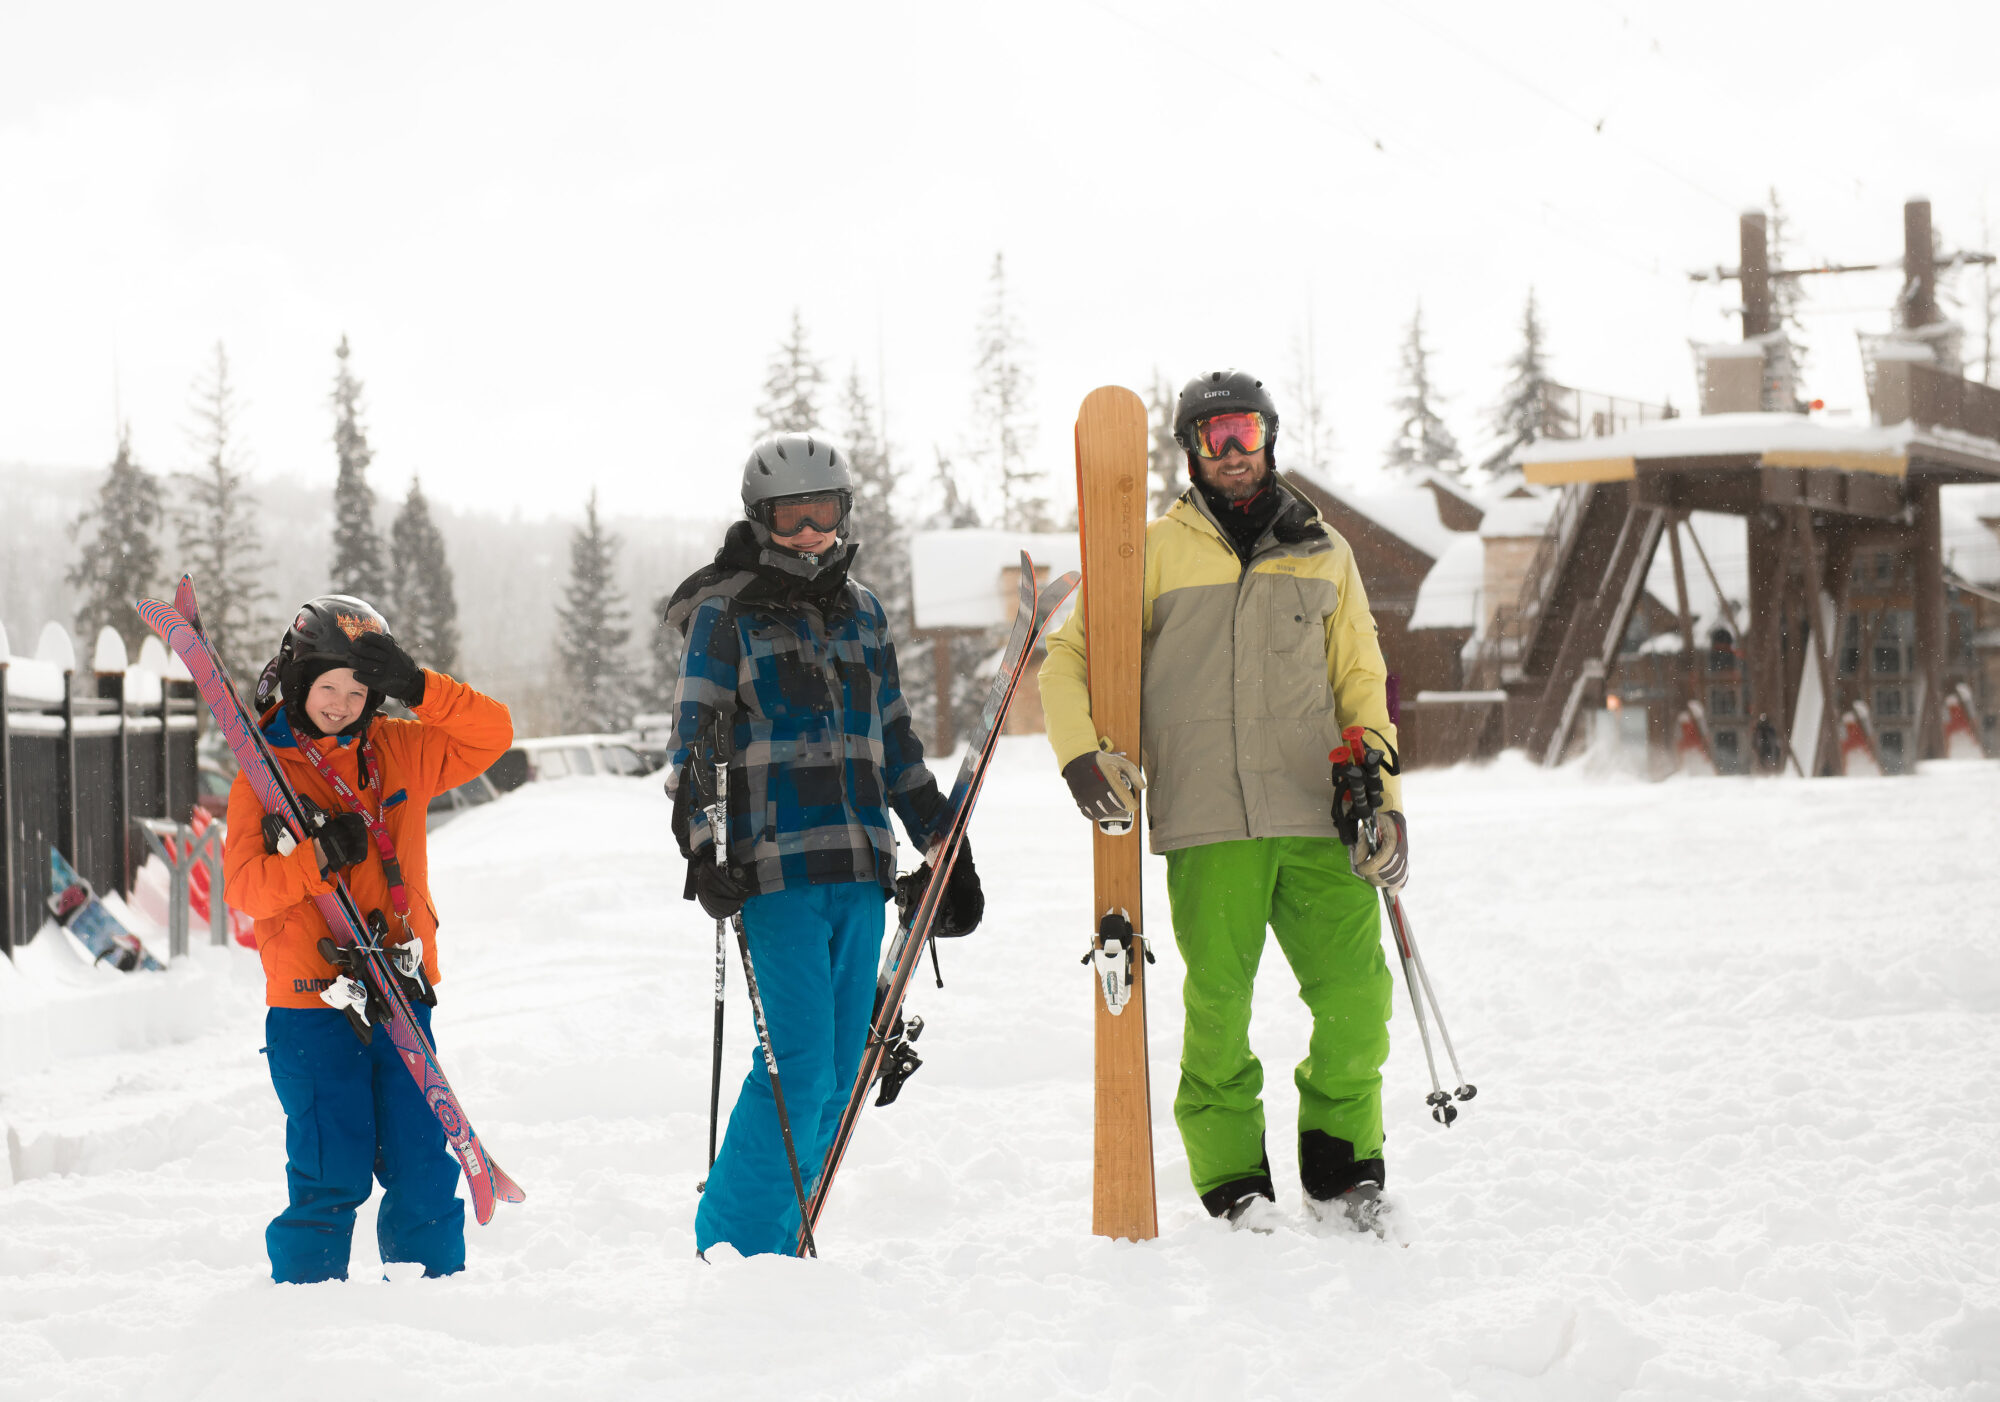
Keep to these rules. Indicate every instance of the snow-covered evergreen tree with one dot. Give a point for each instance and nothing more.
(1528, 410)
(422, 603)
(1788, 294)
(1003, 431)
(120, 563)
(1166, 461)
(357, 566)
(1422, 441)
(215, 518)
(594, 691)
(1308, 432)
(884, 563)
(957, 509)
(793, 386)
(885, 546)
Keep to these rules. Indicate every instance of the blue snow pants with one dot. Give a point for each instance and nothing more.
(816, 949)
(353, 1114)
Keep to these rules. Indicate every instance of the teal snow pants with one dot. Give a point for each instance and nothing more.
(816, 949)
(1328, 924)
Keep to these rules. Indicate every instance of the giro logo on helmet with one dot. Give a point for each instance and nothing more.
(1216, 394)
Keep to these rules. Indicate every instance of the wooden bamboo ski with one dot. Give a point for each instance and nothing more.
(1111, 436)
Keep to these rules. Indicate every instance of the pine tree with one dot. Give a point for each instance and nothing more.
(1422, 441)
(1003, 431)
(1987, 304)
(120, 564)
(885, 556)
(215, 517)
(1166, 460)
(884, 561)
(357, 548)
(423, 605)
(1308, 434)
(956, 510)
(596, 686)
(793, 384)
(1529, 410)
(665, 645)
(1788, 294)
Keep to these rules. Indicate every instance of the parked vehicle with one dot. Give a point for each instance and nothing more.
(452, 802)
(212, 783)
(566, 756)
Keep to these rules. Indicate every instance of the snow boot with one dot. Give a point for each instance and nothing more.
(1254, 1212)
(1361, 1209)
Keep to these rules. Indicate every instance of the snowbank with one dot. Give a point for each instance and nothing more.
(1733, 1137)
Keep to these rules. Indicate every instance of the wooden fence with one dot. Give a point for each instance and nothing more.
(84, 755)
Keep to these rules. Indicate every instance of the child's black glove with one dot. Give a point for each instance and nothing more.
(381, 665)
(343, 841)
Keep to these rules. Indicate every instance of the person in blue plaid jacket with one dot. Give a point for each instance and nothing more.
(795, 660)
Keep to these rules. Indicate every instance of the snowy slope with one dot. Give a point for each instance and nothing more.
(1734, 1138)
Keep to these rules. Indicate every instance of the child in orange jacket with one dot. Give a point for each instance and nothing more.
(352, 1112)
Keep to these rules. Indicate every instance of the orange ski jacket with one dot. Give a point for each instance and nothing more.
(457, 733)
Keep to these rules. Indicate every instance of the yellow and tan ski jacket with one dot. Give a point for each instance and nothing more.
(1248, 677)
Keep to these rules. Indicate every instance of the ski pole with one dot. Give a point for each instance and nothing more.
(1465, 1089)
(718, 827)
(715, 1062)
(1358, 786)
(777, 1087)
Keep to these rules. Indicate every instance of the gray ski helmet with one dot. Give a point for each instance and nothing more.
(793, 465)
(1223, 392)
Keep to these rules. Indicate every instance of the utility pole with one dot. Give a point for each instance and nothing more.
(1754, 272)
(1918, 304)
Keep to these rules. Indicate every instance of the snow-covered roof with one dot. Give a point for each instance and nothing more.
(1971, 547)
(1449, 595)
(1780, 440)
(1407, 511)
(1514, 518)
(955, 575)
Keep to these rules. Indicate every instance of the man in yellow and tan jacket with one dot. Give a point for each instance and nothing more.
(1258, 650)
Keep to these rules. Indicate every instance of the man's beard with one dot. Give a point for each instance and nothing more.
(1241, 489)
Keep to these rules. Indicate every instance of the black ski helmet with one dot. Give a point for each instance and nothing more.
(793, 465)
(321, 638)
(1224, 392)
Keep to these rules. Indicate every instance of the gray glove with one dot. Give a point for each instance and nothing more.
(1104, 784)
(1388, 865)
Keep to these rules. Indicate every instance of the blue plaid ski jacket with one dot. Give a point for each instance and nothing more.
(822, 737)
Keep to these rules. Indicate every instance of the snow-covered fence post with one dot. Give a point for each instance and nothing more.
(111, 664)
(56, 649)
(179, 859)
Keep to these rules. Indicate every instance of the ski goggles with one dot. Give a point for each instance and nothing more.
(1215, 436)
(794, 514)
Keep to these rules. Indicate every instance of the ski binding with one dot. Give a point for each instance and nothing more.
(1111, 959)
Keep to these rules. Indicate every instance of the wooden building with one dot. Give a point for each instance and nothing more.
(1399, 533)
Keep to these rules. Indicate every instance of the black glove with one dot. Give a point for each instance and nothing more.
(343, 841)
(719, 892)
(683, 808)
(963, 905)
(381, 665)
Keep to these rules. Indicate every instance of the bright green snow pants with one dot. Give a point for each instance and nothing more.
(1328, 924)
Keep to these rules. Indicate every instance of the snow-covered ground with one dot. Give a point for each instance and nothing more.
(1735, 1137)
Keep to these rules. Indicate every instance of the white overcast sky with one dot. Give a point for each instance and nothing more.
(565, 239)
